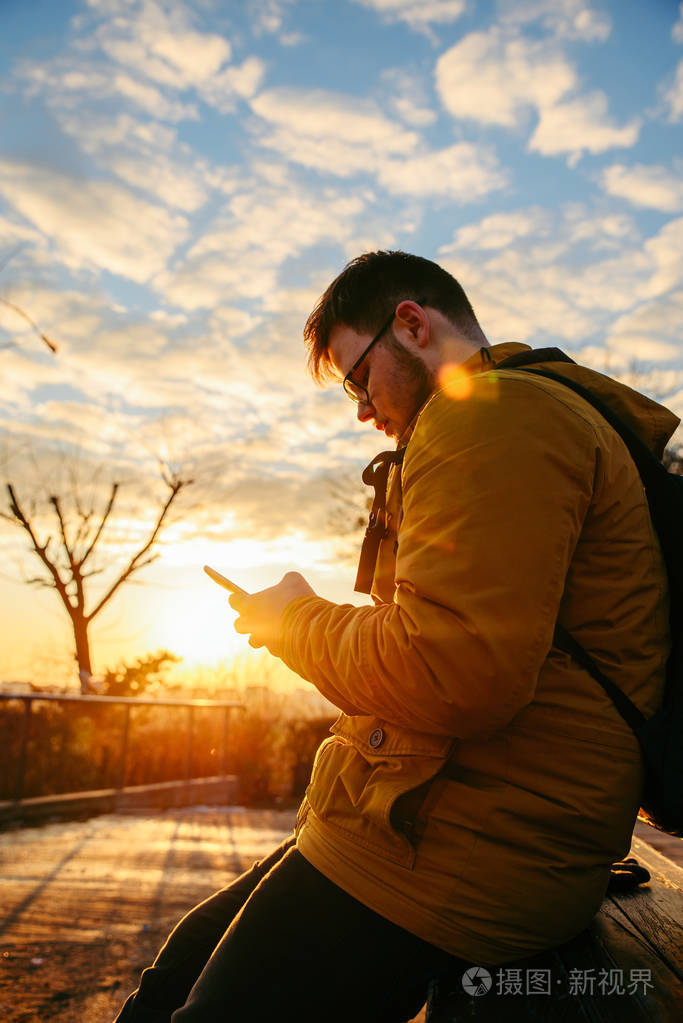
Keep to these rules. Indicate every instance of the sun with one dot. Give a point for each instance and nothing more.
(196, 623)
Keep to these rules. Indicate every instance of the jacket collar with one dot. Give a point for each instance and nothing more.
(486, 358)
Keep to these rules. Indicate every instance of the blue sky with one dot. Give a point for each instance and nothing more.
(179, 182)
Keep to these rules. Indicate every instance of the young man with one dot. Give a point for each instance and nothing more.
(478, 783)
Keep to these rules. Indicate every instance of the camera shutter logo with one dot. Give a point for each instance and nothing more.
(477, 981)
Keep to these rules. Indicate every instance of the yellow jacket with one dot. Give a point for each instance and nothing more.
(517, 506)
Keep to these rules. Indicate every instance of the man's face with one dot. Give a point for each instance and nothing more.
(397, 379)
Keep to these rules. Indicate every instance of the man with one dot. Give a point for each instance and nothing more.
(478, 783)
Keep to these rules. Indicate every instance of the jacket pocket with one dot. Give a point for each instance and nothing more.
(360, 773)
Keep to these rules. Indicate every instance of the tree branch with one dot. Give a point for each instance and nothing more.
(54, 501)
(39, 581)
(20, 517)
(137, 562)
(103, 521)
(20, 312)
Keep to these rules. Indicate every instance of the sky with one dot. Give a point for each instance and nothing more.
(179, 182)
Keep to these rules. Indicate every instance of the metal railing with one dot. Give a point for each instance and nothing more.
(128, 702)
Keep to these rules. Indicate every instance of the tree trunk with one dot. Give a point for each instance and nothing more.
(80, 625)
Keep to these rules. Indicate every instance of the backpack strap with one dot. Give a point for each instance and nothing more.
(533, 356)
(647, 463)
(376, 475)
(628, 710)
(650, 469)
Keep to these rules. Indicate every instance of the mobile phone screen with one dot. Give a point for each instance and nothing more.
(227, 584)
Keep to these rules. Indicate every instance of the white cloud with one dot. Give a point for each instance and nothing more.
(162, 45)
(673, 95)
(665, 251)
(144, 154)
(65, 86)
(240, 256)
(564, 288)
(152, 53)
(499, 79)
(499, 230)
(417, 12)
(651, 332)
(606, 231)
(677, 30)
(231, 322)
(93, 223)
(579, 124)
(464, 172)
(237, 81)
(494, 78)
(329, 131)
(340, 135)
(566, 19)
(407, 95)
(268, 15)
(650, 186)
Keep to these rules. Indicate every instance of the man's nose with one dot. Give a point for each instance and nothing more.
(365, 411)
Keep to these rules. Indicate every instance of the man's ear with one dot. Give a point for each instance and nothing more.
(415, 323)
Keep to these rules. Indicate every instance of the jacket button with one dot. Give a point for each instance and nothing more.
(376, 738)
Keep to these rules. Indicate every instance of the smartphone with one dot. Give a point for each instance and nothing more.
(222, 581)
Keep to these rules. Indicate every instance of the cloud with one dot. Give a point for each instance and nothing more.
(261, 227)
(499, 230)
(579, 124)
(152, 54)
(340, 135)
(554, 280)
(407, 94)
(464, 172)
(241, 81)
(417, 12)
(268, 15)
(93, 223)
(651, 332)
(677, 30)
(499, 79)
(144, 154)
(494, 78)
(665, 251)
(67, 82)
(327, 131)
(162, 45)
(566, 19)
(642, 185)
(606, 231)
(673, 95)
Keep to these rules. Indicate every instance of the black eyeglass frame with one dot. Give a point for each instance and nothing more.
(360, 395)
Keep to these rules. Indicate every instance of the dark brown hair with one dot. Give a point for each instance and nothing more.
(363, 294)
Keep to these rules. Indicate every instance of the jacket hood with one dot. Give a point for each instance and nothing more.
(654, 423)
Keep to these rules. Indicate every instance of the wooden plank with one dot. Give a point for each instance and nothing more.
(632, 933)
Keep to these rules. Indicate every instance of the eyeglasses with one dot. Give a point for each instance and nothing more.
(356, 391)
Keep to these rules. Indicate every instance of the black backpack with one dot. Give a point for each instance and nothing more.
(660, 736)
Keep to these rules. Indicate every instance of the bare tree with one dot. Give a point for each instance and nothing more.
(67, 561)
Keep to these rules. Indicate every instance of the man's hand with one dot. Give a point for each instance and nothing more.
(260, 613)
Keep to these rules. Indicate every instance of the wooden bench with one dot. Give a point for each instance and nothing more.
(626, 968)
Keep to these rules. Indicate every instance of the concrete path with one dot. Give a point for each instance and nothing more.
(84, 906)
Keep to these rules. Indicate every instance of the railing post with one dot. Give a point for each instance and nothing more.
(124, 748)
(19, 787)
(226, 731)
(188, 745)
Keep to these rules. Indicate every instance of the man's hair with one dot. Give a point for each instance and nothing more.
(366, 291)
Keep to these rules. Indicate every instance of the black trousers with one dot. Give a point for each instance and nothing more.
(282, 942)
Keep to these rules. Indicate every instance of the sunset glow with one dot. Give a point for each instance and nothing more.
(178, 185)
